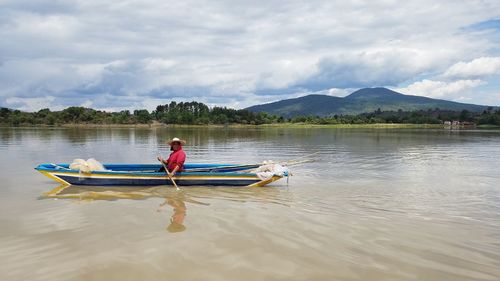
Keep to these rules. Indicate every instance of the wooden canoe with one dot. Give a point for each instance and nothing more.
(148, 175)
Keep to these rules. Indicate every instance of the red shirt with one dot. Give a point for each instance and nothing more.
(176, 158)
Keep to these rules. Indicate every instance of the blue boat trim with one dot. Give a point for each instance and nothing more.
(152, 182)
(147, 175)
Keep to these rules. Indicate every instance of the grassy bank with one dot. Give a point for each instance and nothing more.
(354, 126)
(274, 125)
(488, 126)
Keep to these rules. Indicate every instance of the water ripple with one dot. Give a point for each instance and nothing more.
(374, 205)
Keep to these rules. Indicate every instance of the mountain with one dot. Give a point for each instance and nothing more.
(361, 101)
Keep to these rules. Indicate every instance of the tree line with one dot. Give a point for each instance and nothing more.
(431, 116)
(196, 113)
(190, 113)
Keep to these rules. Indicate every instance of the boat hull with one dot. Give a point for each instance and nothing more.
(145, 175)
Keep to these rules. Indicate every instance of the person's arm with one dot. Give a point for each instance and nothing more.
(174, 170)
(162, 160)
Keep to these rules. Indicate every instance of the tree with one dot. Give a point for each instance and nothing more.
(465, 115)
(72, 114)
(142, 116)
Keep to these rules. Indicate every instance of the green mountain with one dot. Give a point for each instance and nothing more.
(361, 101)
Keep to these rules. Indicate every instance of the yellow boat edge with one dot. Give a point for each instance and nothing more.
(261, 183)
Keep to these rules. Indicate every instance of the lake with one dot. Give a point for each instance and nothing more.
(376, 204)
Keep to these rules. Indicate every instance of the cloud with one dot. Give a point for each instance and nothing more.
(382, 67)
(39, 7)
(340, 92)
(480, 67)
(462, 82)
(235, 53)
(30, 104)
(440, 89)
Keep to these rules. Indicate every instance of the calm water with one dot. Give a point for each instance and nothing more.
(375, 205)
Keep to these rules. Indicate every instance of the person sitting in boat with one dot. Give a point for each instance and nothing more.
(175, 162)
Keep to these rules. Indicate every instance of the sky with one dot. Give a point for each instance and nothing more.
(116, 55)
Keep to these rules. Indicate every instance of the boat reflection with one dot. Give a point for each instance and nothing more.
(173, 198)
(90, 193)
(176, 200)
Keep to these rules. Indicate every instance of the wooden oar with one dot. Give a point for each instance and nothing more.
(242, 167)
(224, 167)
(168, 175)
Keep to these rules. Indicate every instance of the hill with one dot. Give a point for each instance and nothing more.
(361, 101)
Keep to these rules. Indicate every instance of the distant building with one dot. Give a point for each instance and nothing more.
(457, 124)
(468, 124)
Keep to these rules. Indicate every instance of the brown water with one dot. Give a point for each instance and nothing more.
(382, 204)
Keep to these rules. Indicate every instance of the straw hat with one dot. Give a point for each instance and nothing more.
(182, 142)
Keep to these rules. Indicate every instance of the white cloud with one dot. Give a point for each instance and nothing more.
(336, 92)
(87, 103)
(385, 66)
(438, 89)
(121, 54)
(339, 92)
(31, 104)
(479, 67)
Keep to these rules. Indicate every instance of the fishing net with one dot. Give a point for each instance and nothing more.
(270, 169)
(86, 166)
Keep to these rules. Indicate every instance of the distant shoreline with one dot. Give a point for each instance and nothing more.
(277, 126)
(197, 114)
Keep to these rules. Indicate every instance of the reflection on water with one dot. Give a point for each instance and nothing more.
(177, 219)
(177, 199)
(174, 199)
(375, 205)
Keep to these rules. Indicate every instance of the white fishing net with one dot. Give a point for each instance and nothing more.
(86, 166)
(270, 169)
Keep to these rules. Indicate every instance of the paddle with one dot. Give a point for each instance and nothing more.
(224, 167)
(229, 168)
(168, 174)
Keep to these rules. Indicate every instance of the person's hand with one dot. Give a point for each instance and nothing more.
(160, 159)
